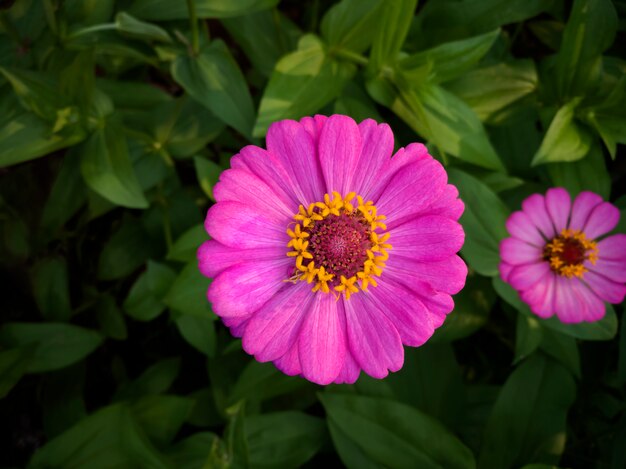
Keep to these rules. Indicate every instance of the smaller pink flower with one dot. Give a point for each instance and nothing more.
(559, 259)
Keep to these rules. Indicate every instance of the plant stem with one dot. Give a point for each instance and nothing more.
(193, 22)
(351, 56)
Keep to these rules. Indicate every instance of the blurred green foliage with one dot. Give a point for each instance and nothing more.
(116, 120)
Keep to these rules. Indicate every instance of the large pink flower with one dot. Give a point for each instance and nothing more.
(558, 259)
(327, 254)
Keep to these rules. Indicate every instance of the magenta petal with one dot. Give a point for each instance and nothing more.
(427, 238)
(377, 147)
(322, 342)
(540, 297)
(602, 219)
(516, 252)
(446, 275)
(274, 328)
(237, 325)
(593, 307)
(350, 371)
(448, 205)
(520, 225)
(612, 269)
(239, 185)
(214, 257)
(613, 247)
(373, 340)
(293, 146)
(289, 363)
(567, 305)
(535, 207)
(606, 289)
(582, 207)
(558, 204)
(525, 276)
(240, 226)
(505, 271)
(244, 288)
(314, 125)
(411, 191)
(339, 150)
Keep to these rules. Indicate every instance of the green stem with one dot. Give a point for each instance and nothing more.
(351, 56)
(193, 22)
(93, 29)
(50, 16)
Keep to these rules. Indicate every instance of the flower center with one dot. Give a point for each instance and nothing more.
(568, 252)
(338, 245)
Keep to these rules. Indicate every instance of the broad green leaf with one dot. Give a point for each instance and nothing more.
(187, 294)
(565, 139)
(132, 26)
(528, 419)
(107, 169)
(590, 30)
(450, 60)
(264, 36)
(302, 83)
(483, 220)
(198, 331)
(562, 348)
(528, 336)
(161, 416)
(156, 379)
(208, 173)
(132, 94)
(199, 451)
(605, 329)
(494, 91)
(13, 364)
(56, 345)
(110, 318)
(214, 79)
(88, 13)
(393, 25)
(108, 438)
(184, 248)
(51, 289)
(587, 174)
(348, 24)
(204, 412)
(160, 10)
(391, 434)
(283, 439)
(145, 299)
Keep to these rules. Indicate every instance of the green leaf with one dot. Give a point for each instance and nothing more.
(302, 83)
(590, 30)
(13, 365)
(161, 416)
(450, 60)
(185, 247)
(156, 379)
(565, 139)
(605, 329)
(110, 318)
(145, 299)
(562, 348)
(393, 26)
(200, 450)
(107, 169)
(587, 174)
(528, 419)
(208, 173)
(495, 92)
(160, 10)
(283, 439)
(484, 223)
(108, 438)
(199, 332)
(187, 294)
(235, 436)
(132, 26)
(51, 289)
(528, 336)
(348, 24)
(391, 434)
(214, 79)
(132, 94)
(55, 345)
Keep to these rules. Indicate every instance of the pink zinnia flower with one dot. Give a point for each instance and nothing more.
(558, 259)
(327, 254)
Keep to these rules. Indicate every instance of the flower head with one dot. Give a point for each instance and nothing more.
(559, 259)
(327, 254)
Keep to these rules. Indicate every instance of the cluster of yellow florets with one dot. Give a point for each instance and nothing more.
(555, 249)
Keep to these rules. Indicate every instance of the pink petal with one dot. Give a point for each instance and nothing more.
(613, 247)
(244, 288)
(558, 204)
(237, 325)
(567, 305)
(377, 147)
(602, 219)
(516, 252)
(274, 328)
(314, 125)
(448, 205)
(520, 225)
(447, 275)
(612, 269)
(540, 296)
(505, 271)
(350, 371)
(373, 340)
(293, 146)
(526, 275)
(535, 207)
(583, 205)
(603, 287)
(242, 186)
(289, 363)
(593, 307)
(322, 341)
(339, 151)
(411, 191)
(427, 238)
(214, 257)
(241, 226)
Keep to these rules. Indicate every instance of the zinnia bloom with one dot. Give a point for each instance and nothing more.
(327, 254)
(558, 259)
